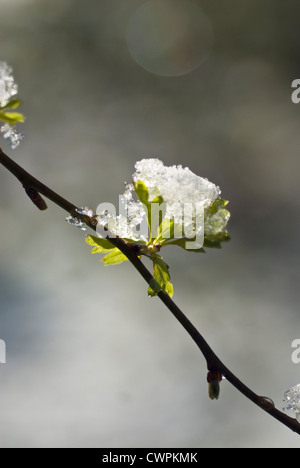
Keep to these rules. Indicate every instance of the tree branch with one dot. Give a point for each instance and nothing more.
(34, 189)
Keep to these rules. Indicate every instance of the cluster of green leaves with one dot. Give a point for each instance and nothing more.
(7, 114)
(161, 276)
(166, 233)
(113, 256)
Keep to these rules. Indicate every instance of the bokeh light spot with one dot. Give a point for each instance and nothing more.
(169, 37)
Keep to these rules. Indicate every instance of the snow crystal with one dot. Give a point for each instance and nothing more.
(76, 222)
(175, 184)
(292, 397)
(8, 87)
(85, 211)
(12, 135)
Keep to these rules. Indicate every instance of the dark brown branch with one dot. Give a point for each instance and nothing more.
(34, 189)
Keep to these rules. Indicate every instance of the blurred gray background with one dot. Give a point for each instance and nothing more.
(91, 360)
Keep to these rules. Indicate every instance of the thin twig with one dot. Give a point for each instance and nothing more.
(34, 188)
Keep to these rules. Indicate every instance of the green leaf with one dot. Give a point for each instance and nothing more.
(215, 221)
(12, 118)
(142, 192)
(14, 103)
(170, 235)
(216, 240)
(114, 257)
(167, 231)
(161, 278)
(218, 204)
(183, 244)
(100, 245)
(135, 241)
(143, 195)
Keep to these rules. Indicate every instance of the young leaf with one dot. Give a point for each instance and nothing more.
(100, 245)
(161, 278)
(183, 243)
(167, 232)
(143, 195)
(11, 118)
(142, 192)
(216, 219)
(114, 257)
(14, 103)
(170, 234)
(216, 240)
